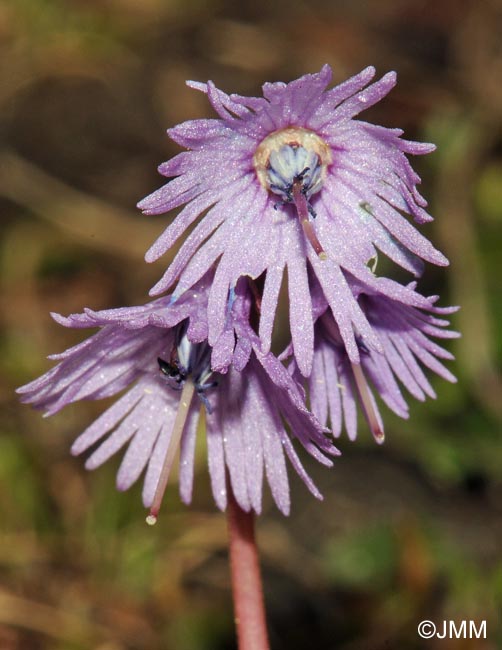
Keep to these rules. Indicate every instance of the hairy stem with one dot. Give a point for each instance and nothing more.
(247, 589)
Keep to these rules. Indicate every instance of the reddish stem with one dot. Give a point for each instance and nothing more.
(247, 589)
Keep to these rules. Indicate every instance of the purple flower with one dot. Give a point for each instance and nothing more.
(158, 353)
(336, 384)
(292, 181)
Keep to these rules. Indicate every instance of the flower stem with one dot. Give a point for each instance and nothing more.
(247, 589)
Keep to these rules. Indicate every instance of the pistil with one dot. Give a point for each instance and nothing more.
(302, 209)
(367, 403)
(185, 402)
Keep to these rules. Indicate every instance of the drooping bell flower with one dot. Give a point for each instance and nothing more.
(158, 357)
(338, 387)
(293, 181)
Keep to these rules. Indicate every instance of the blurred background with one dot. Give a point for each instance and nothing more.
(408, 531)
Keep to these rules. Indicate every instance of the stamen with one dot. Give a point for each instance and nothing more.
(369, 409)
(179, 424)
(302, 209)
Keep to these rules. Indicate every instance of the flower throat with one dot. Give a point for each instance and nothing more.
(292, 163)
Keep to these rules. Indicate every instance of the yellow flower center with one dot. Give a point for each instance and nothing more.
(289, 154)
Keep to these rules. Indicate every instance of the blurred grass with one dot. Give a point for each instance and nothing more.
(409, 531)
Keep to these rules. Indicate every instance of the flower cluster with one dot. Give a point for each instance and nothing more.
(290, 181)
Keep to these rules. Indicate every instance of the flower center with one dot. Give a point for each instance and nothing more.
(292, 163)
(289, 155)
(189, 361)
